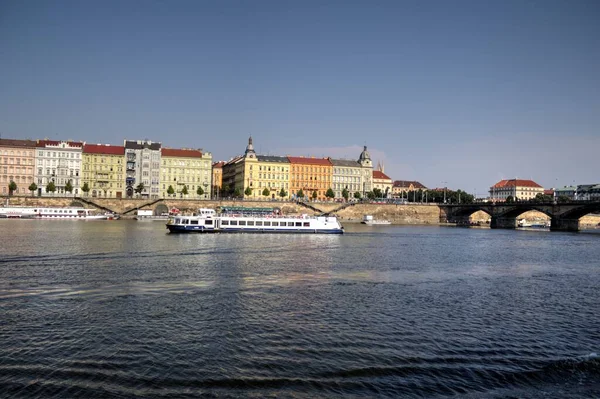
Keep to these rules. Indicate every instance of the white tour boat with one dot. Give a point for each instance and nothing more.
(368, 219)
(252, 220)
(58, 213)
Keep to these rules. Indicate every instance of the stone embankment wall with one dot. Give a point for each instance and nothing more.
(397, 214)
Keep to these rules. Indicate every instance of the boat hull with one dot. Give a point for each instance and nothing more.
(202, 229)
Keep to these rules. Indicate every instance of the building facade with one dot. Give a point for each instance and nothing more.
(310, 175)
(588, 192)
(518, 189)
(382, 182)
(347, 175)
(217, 179)
(58, 162)
(271, 173)
(367, 174)
(400, 188)
(142, 167)
(17, 163)
(238, 172)
(103, 171)
(186, 170)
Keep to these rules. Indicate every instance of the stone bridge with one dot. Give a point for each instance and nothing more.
(564, 216)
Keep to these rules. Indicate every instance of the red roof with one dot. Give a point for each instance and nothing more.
(174, 152)
(310, 161)
(103, 149)
(408, 183)
(16, 143)
(516, 183)
(377, 174)
(218, 164)
(44, 143)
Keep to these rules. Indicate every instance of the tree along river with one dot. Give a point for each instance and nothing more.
(123, 309)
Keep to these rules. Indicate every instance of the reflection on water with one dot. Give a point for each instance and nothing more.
(122, 309)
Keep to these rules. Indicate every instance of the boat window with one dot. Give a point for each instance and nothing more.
(194, 222)
(234, 222)
(306, 224)
(275, 223)
(298, 224)
(177, 221)
(259, 223)
(250, 222)
(186, 221)
(242, 222)
(225, 223)
(267, 223)
(290, 223)
(208, 221)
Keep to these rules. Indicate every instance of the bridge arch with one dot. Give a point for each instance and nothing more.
(160, 209)
(582, 211)
(515, 212)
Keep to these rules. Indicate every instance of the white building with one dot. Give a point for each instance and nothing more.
(142, 166)
(58, 162)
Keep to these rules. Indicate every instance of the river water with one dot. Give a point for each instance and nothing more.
(123, 309)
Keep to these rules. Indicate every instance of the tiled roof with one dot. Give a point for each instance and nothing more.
(174, 152)
(549, 192)
(310, 161)
(345, 162)
(139, 145)
(408, 183)
(44, 143)
(272, 158)
(16, 143)
(218, 164)
(103, 149)
(377, 174)
(516, 183)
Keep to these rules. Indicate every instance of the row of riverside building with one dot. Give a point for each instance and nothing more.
(146, 169)
(138, 168)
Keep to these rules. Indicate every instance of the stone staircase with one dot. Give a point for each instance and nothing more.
(92, 203)
(142, 206)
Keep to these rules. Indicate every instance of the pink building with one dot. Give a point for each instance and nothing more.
(17, 161)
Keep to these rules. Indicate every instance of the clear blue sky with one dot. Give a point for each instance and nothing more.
(457, 93)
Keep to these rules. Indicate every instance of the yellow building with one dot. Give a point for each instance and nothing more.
(217, 178)
(383, 183)
(185, 170)
(103, 170)
(310, 175)
(256, 176)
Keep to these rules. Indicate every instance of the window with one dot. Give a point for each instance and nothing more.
(274, 223)
(234, 222)
(267, 223)
(251, 223)
(242, 222)
(259, 223)
(225, 223)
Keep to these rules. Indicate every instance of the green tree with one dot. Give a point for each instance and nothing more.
(139, 188)
(283, 193)
(314, 195)
(266, 192)
(371, 195)
(377, 192)
(12, 186)
(345, 194)
(170, 190)
(330, 194)
(248, 191)
(300, 194)
(200, 191)
(237, 192)
(33, 187)
(85, 188)
(357, 195)
(510, 199)
(51, 187)
(563, 198)
(69, 187)
(184, 190)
